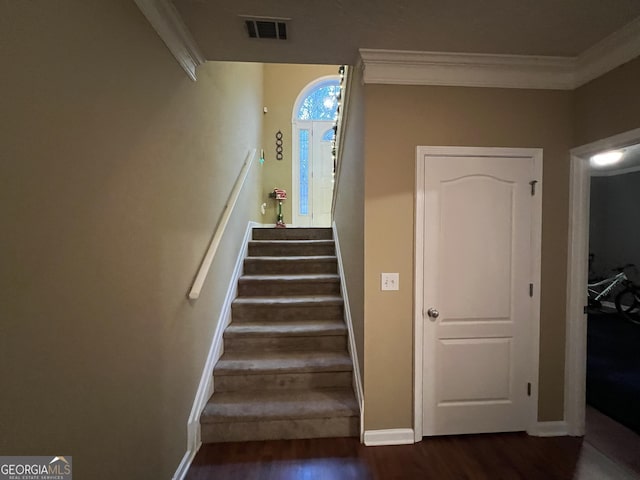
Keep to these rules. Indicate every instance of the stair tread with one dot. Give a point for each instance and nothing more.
(266, 405)
(257, 363)
(290, 300)
(286, 328)
(291, 258)
(291, 277)
(287, 242)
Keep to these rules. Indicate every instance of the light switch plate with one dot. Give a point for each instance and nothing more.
(390, 281)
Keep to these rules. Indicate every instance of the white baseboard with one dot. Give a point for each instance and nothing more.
(205, 388)
(393, 436)
(183, 468)
(357, 377)
(550, 429)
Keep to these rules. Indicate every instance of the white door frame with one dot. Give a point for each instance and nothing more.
(536, 237)
(575, 374)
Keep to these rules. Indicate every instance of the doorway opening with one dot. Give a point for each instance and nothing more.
(578, 274)
(313, 123)
(599, 380)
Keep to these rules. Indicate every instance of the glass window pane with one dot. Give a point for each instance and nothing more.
(329, 135)
(321, 103)
(304, 172)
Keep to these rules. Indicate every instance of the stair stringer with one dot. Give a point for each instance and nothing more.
(206, 385)
(353, 351)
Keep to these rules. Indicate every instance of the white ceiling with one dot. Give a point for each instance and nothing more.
(332, 31)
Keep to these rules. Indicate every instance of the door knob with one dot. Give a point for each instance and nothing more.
(433, 313)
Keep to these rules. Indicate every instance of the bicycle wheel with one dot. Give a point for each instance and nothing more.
(628, 304)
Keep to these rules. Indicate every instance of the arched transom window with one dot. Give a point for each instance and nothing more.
(321, 103)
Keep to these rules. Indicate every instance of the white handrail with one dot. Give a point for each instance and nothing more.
(194, 293)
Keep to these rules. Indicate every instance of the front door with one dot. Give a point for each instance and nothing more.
(314, 174)
(479, 330)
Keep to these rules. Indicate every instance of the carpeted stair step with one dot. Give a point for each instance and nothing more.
(267, 415)
(286, 371)
(281, 285)
(282, 248)
(318, 307)
(292, 234)
(256, 363)
(283, 381)
(247, 371)
(286, 336)
(290, 265)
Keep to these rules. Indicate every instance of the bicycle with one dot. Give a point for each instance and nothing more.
(627, 300)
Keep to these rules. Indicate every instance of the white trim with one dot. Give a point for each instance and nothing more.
(402, 67)
(166, 21)
(577, 256)
(618, 48)
(418, 316)
(536, 272)
(185, 463)
(392, 436)
(467, 69)
(550, 429)
(206, 386)
(357, 377)
(536, 237)
(203, 271)
(613, 173)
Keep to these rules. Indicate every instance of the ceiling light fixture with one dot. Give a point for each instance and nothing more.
(607, 158)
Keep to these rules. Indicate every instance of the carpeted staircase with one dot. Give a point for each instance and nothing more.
(285, 372)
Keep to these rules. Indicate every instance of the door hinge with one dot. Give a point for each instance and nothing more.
(531, 289)
(529, 389)
(533, 187)
(585, 309)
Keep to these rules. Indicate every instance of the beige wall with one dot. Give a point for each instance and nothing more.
(282, 85)
(399, 118)
(114, 171)
(608, 105)
(349, 209)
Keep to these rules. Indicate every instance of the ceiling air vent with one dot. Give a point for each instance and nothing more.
(263, 27)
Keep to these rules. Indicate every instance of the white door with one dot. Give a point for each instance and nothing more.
(478, 353)
(322, 173)
(313, 174)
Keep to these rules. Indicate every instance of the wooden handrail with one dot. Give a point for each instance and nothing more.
(201, 276)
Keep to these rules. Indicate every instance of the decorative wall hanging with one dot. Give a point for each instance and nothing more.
(279, 145)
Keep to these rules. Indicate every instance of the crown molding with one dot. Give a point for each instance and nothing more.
(401, 67)
(467, 69)
(166, 21)
(617, 49)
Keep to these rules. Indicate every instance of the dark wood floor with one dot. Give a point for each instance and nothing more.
(470, 457)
